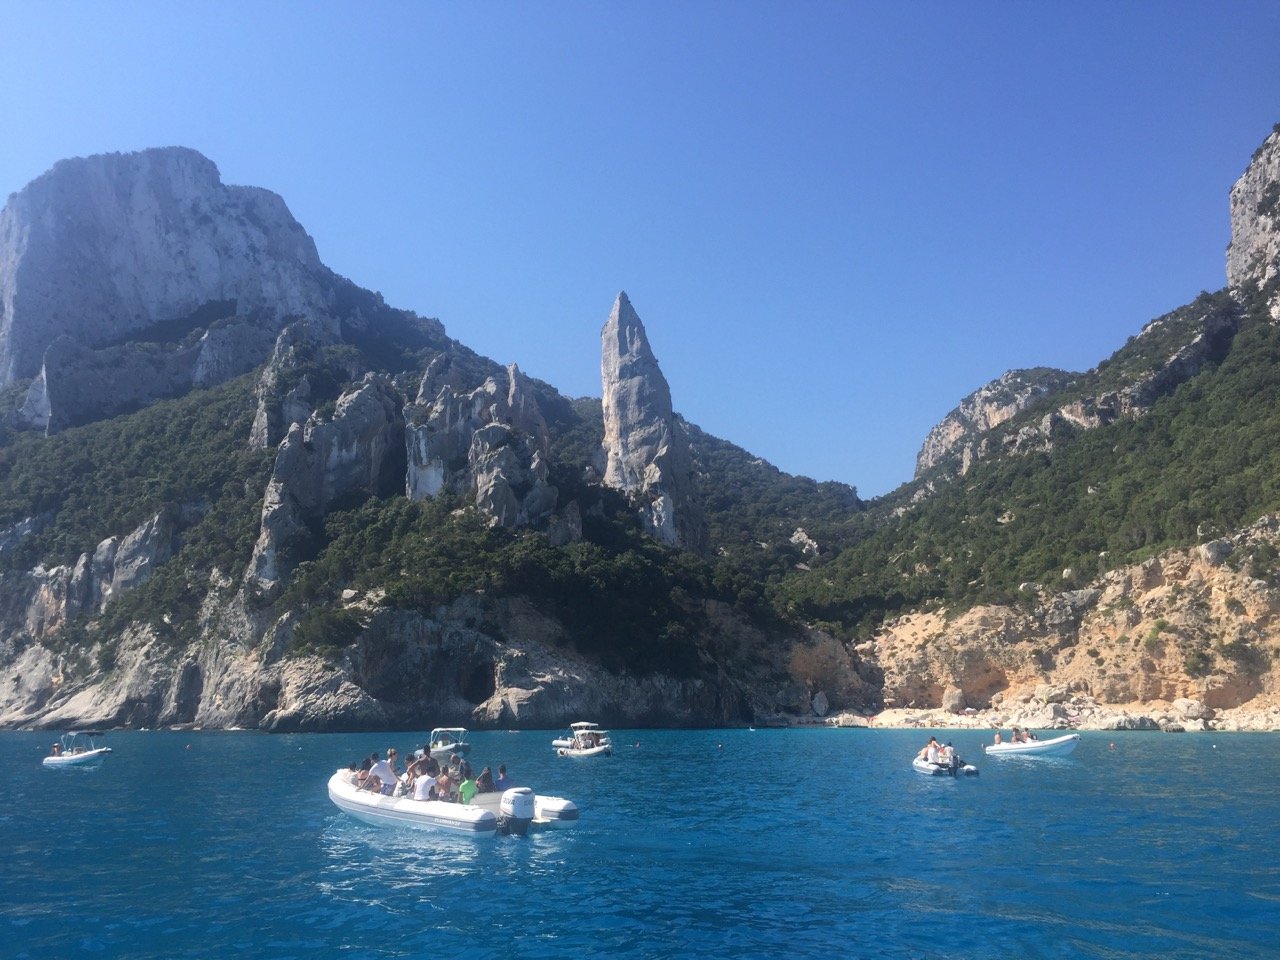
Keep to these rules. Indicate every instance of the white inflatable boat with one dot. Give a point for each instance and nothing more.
(516, 810)
(1057, 747)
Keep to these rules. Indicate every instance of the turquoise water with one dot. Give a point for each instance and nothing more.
(768, 843)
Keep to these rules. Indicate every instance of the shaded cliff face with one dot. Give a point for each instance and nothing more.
(646, 450)
(101, 247)
(1253, 256)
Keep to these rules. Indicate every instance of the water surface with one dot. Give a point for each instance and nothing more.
(766, 843)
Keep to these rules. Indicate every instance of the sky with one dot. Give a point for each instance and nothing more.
(836, 219)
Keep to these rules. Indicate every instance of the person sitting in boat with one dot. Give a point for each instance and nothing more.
(382, 775)
(467, 790)
(424, 787)
(454, 768)
(444, 787)
(484, 782)
(362, 774)
(503, 782)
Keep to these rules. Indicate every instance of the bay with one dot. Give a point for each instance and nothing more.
(807, 842)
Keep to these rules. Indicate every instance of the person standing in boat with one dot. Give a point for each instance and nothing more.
(929, 751)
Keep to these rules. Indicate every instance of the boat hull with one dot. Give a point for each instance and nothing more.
(87, 759)
(943, 770)
(604, 749)
(385, 811)
(1057, 747)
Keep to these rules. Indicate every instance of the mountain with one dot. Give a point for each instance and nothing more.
(305, 509)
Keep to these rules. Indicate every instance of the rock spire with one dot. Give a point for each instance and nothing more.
(646, 451)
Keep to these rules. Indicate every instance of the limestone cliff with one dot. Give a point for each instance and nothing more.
(1018, 414)
(961, 430)
(490, 443)
(1253, 256)
(646, 449)
(101, 248)
(359, 451)
(1198, 624)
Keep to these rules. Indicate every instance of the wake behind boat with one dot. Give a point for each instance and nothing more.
(77, 750)
(1057, 747)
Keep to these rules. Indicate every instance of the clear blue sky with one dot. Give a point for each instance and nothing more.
(836, 219)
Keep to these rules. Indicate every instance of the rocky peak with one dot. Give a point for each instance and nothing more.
(983, 410)
(100, 248)
(359, 451)
(491, 442)
(646, 449)
(1253, 256)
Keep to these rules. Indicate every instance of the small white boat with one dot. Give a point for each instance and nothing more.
(584, 739)
(1057, 747)
(77, 750)
(584, 727)
(513, 811)
(446, 740)
(944, 769)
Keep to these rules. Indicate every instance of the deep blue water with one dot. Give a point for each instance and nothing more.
(785, 843)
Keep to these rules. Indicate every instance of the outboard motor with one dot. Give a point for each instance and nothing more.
(516, 811)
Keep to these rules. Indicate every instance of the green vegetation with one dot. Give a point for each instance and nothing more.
(107, 478)
(1206, 456)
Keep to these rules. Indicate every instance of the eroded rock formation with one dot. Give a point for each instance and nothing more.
(1253, 256)
(646, 450)
(360, 450)
(491, 443)
(961, 430)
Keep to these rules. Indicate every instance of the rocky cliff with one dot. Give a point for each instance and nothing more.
(1253, 256)
(103, 247)
(1026, 411)
(961, 430)
(1190, 628)
(646, 450)
(1197, 625)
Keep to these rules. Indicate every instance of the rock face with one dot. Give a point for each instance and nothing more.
(38, 602)
(1167, 352)
(960, 431)
(1193, 624)
(646, 449)
(1253, 256)
(491, 443)
(359, 451)
(103, 247)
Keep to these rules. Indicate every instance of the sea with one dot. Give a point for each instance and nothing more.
(778, 843)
